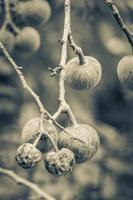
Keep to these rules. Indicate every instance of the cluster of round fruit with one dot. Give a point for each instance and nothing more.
(20, 32)
(76, 144)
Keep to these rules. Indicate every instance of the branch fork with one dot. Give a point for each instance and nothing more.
(54, 71)
(67, 37)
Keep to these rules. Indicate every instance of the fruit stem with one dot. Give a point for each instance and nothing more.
(120, 21)
(50, 138)
(41, 132)
(76, 49)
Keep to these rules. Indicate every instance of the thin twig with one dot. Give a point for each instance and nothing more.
(22, 181)
(120, 21)
(63, 106)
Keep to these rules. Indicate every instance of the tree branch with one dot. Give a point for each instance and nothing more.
(43, 111)
(120, 21)
(22, 181)
(63, 106)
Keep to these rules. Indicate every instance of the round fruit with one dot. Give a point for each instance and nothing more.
(30, 133)
(82, 140)
(7, 39)
(28, 156)
(59, 163)
(34, 12)
(125, 72)
(83, 77)
(28, 40)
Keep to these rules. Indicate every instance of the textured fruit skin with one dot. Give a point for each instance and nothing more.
(83, 77)
(59, 163)
(82, 140)
(30, 133)
(125, 72)
(28, 156)
(34, 12)
(8, 40)
(28, 40)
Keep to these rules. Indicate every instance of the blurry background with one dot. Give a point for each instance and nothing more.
(108, 107)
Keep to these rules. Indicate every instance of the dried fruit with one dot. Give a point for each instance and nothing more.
(59, 163)
(30, 133)
(28, 156)
(83, 77)
(82, 140)
(28, 40)
(34, 12)
(125, 72)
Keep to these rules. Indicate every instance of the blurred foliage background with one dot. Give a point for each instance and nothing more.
(108, 107)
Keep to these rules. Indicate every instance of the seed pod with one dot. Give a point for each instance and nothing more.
(34, 13)
(30, 133)
(83, 77)
(125, 72)
(82, 140)
(7, 39)
(59, 163)
(27, 41)
(28, 156)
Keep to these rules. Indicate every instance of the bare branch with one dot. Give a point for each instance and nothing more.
(43, 111)
(63, 106)
(120, 21)
(22, 181)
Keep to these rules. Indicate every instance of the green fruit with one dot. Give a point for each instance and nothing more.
(83, 77)
(59, 163)
(82, 140)
(125, 72)
(31, 131)
(28, 156)
(27, 41)
(34, 12)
